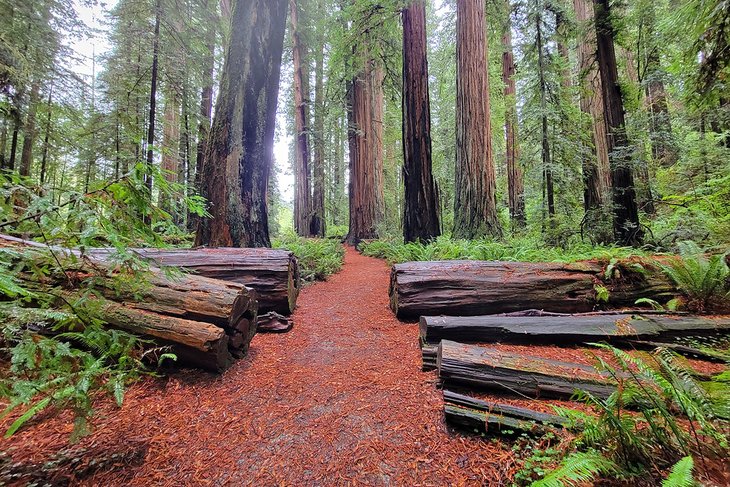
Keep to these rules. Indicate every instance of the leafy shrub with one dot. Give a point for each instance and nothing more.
(524, 249)
(704, 280)
(318, 258)
(658, 416)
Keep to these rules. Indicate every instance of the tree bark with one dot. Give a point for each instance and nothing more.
(302, 172)
(366, 152)
(47, 137)
(420, 216)
(475, 208)
(515, 183)
(546, 157)
(29, 129)
(318, 226)
(170, 147)
(238, 161)
(472, 288)
(490, 369)
(626, 226)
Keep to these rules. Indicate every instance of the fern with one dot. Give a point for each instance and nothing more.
(681, 474)
(703, 280)
(577, 469)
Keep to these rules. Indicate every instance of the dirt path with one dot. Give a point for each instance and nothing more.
(340, 400)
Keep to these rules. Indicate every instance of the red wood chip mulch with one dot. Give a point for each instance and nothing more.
(339, 400)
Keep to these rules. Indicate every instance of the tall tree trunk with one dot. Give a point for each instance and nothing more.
(561, 27)
(302, 175)
(420, 215)
(366, 152)
(47, 137)
(596, 166)
(206, 108)
(475, 208)
(170, 146)
(17, 124)
(660, 123)
(339, 173)
(238, 161)
(3, 144)
(153, 103)
(515, 184)
(546, 159)
(626, 227)
(29, 129)
(318, 223)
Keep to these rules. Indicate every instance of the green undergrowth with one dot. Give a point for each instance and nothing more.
(318, 258)
(516, 249)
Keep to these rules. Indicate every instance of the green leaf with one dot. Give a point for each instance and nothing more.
(681, 474)
(30, 413)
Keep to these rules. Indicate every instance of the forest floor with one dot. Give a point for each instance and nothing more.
(339, 400)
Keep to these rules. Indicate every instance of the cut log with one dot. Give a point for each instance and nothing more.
(490, 369)
(274, 323)
(566, 330)
(162, 307)
(490, 417)
(472, 288)
(428, 356)
(273, 274)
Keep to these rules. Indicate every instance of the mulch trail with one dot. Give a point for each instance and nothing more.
(340, 400)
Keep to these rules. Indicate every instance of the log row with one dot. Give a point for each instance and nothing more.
(490, 369)
(473, 288)
(273, 274)
(205, 322)
(567, 329)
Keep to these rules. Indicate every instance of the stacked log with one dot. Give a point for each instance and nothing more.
(273, 274)
(489, 417)
(473, 288)
(206, 322)
(567, 329)
(490, 369)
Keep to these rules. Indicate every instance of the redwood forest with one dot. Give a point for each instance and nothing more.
(365, 242)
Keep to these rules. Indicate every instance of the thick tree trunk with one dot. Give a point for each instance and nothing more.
(515, 184)
(596, 165)
(471, 288)
(302, 172)
(565, 330)
(626, 226)
(475, 208)
(318, 224)
(238, 162)
(420, 216)
(29, 129)
(490, 369)
(366, 152)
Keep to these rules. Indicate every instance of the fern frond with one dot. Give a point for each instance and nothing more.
(681, 474)
(576, 469)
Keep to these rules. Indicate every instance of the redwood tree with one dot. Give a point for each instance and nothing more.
(626, 227)
(475, 208)
(237, 165)
(515, 184)
(302, 177)
(420, 217)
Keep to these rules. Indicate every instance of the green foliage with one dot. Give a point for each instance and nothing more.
(522, 249)
(658, 414)
(681, 474)
(61, 355)
(577, 469)
(318, 258)
(704, 280)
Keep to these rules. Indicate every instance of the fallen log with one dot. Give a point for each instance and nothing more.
(472, 288)
(180, 311)
(490, 417)
(273, 274)
(273, 322)
(491, 369)
(428, 357)
(567, 329)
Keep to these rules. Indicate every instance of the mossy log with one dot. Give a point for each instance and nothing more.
(473, 288)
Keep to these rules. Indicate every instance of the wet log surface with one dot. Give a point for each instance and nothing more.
(273, 274)
(490, 369)
(566, 330)
(472, 288)
(492, 417)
